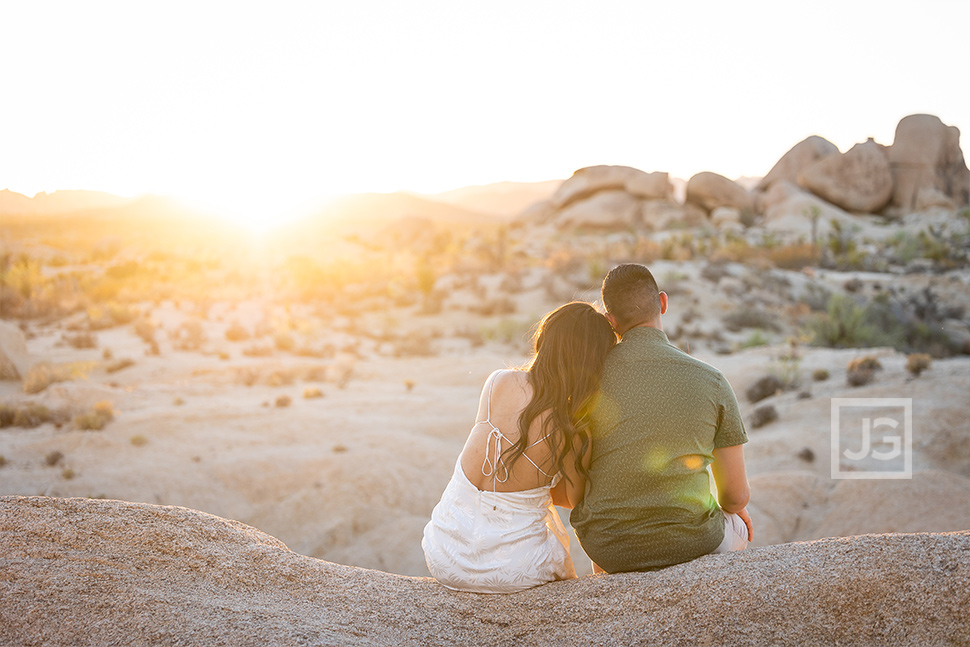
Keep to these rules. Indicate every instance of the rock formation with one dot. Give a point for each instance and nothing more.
(593, 179)
(800, 157)
(82, 571)
(928, 165)
(858, 181)
(710, 190)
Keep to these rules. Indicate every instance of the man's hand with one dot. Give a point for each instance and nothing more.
(746, 518)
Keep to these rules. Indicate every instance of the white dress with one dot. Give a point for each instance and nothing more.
(495, 542)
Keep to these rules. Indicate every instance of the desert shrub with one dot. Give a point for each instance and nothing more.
(107, 354)
(755, 339)
(845, 325)
(763, 415)
(7, 413)
(284, 401)
(862, 370)
(255, 350)
(3, 460)
(715, 271)
(284, 341)
(765, 387)
(281, 377)
(81, 340)
(794, 257)
(247, 375)
(750, 317)
(820, 374)
(866, 363)
(53, 458)
(916, 363)
(44, 374)
(139, 440)
(235, 332)
(178, 401)
(312, 392)
(119, 364)
(145, 329)
(67, 474)
(31, 415)
(806, 454)
(315, 374)
(415, 345)
(502, 305)
(94, 420)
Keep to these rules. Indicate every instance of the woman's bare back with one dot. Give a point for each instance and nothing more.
(504, 397)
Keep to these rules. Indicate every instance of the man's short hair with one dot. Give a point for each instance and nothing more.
(631, 295)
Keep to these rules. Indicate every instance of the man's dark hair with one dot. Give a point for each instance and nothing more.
(631, 295)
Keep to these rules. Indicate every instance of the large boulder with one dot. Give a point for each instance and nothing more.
(710, 191)
(801, 156)
(593, 179)
(97, 572)
(859, 180)
(928, 165)
(608, 210)
(15, 362)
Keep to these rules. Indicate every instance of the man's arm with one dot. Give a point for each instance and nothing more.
(731, 480)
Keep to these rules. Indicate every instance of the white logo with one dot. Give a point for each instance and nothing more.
(860, 426)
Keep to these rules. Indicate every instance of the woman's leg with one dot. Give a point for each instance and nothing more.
(735, 534)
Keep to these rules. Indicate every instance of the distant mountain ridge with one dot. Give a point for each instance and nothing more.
(61, 201)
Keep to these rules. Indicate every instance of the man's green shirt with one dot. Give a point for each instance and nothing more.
(660, 416)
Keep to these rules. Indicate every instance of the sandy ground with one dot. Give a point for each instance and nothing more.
(352, 476)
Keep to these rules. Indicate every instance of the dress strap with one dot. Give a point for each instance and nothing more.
(493, 456)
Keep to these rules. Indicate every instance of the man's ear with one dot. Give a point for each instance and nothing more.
(663, 302)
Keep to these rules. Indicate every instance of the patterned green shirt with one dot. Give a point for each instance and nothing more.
(648, 498)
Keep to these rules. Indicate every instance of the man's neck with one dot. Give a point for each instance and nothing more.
(653, 323)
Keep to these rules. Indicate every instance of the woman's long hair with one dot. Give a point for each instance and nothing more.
(571, 344)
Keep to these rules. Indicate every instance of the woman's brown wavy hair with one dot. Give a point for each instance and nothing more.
(571, 344)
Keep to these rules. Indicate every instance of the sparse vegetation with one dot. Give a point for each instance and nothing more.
(97, 418)
(763, 415)
(138, 440)
(312, 392)
(283, 401)
(862, 370)
(765, 387)
(820, 374)
(916, 363)
(120, 364)
(53, 458)
(235, 332)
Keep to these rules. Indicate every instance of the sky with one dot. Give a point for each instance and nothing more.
(263, 107)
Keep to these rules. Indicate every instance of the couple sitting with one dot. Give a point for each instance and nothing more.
(621, 433)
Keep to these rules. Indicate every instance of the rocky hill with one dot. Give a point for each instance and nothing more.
(96, 572)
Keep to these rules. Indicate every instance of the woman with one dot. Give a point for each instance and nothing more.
(495, 529)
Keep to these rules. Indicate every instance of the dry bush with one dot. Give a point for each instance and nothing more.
(820, 374)
(120, 364)
(862, 370)
(53, 458)
(189, 336)
(44, 374)
(80, 340)
(765, 387)
(3, 460)
(281, 377)
(501, 305)
(139, 440)
(916, 363)
(312, 392)
(750, 317)
(284, 401)
(284, 341)
(315, 374)
(794, 257)
(255, 350)
(94, 420)
(235, 332)
(67, 474)
(763, 415)
(145, 329)
(28, 415)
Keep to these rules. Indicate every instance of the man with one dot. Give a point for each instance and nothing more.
(662, 419)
